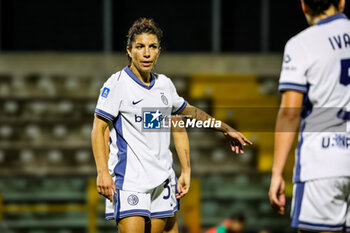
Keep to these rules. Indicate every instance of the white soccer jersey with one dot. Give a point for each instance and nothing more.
(317, 63)
(139, 157)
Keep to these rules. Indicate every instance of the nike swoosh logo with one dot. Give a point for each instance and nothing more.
(136, 102)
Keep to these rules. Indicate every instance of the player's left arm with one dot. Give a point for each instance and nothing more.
(237, 140)
(287, 123)
(183, 152)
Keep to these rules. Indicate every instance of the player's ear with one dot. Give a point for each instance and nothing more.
(128, 51)
(341, 5)
(304, 7)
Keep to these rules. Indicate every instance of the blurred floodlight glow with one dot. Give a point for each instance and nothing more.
(90, 107)
(46, 84)
(38, 108)
(65, 107)
(5, 131)
(82, 156)
(60, 131)
(218, 155)
(26, 156)
(71, 84)
(18, 83)
(33, 131)
(55, 156)
(86, 130)
(11, 106)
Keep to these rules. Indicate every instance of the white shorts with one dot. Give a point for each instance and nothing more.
(322, 205)
(160, 202)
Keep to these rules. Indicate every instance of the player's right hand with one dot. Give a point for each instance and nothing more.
(105, 185)
(277, 193)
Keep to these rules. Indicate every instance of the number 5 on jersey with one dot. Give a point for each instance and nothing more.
(345, 72)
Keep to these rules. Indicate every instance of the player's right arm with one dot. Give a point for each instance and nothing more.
(105, 184)
(286, 125)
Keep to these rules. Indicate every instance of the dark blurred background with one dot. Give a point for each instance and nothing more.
(223, 56)
(189, 26)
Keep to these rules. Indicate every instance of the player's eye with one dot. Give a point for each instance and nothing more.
(153, 46)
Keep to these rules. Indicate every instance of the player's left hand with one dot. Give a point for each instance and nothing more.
(277, 193)
(237, 141)
(183, 185)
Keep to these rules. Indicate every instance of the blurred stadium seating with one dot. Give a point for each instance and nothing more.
(47, 171)
(55, 56)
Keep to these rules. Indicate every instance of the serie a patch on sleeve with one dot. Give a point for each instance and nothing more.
(105, 92)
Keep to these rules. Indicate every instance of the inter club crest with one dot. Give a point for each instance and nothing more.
(133, 199)
(164, 98)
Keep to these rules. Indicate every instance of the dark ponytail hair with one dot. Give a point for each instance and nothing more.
(143, 25)
(317, 7)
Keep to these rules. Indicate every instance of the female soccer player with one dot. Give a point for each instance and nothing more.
(138, 102)
(315, 88)
(170, 225)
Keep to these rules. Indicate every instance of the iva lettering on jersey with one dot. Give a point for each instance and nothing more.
(340, 41)
(338, 140)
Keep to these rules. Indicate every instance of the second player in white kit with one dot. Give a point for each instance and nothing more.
(316, 76)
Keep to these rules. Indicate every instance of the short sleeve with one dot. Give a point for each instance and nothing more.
(109, 100)
(294, 67)
(179, 104)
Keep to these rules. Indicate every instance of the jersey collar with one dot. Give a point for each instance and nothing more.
(331, 18)
(137, 80)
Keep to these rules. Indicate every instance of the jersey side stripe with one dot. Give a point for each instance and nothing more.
(298, 195)
(120, 168)
(298, 152)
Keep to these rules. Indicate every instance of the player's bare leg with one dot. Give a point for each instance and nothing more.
(171, 225)
(164, 225)
(135, 224)
(158, 225)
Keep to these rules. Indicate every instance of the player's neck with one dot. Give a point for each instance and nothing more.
(312, 20)
(144, 77)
